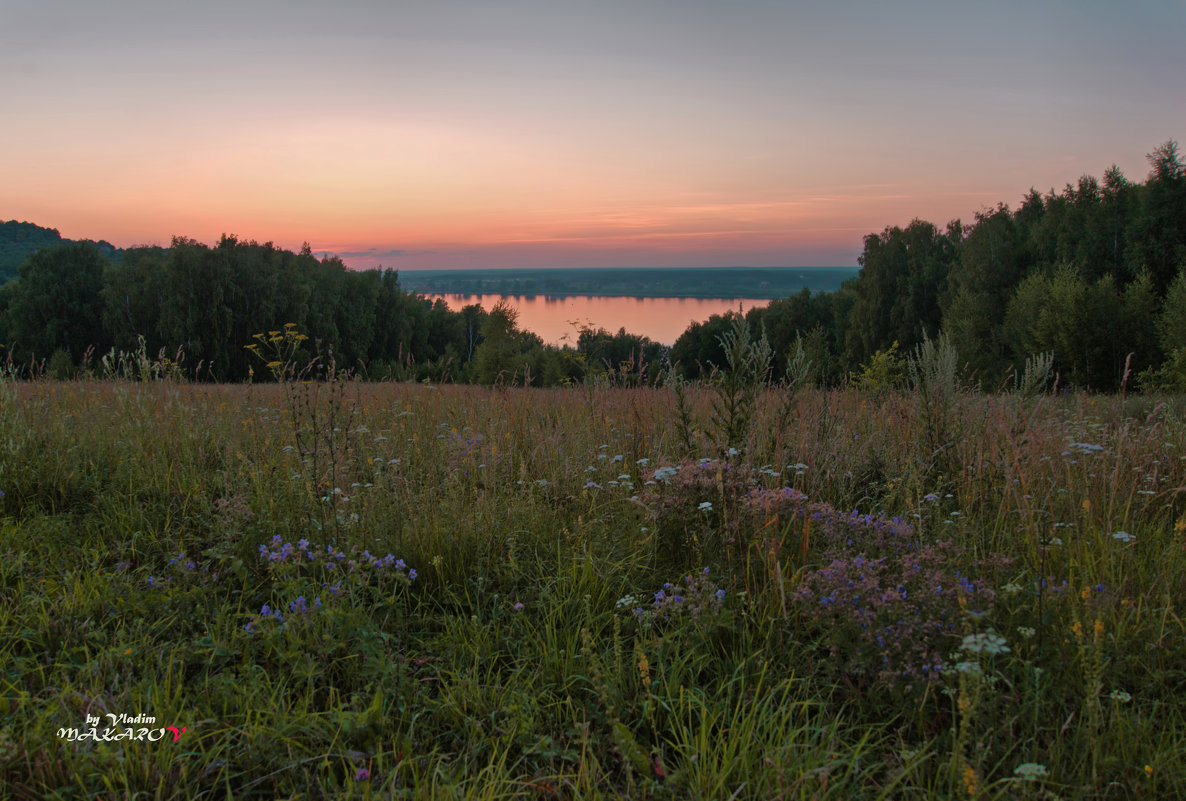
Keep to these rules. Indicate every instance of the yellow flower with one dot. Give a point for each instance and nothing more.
(971, 780)
(127, 652)
(1149, 771)
(1078, 629)
(1099, 628)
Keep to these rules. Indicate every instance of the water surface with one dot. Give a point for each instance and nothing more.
(558, 321)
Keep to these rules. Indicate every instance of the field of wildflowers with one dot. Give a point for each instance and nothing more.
(345, 590)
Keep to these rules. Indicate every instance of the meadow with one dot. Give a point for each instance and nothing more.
(395, 590)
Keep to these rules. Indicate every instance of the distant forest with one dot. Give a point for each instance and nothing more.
(755, 283)
(1095, 274)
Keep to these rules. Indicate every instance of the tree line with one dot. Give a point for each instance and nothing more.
(200, 307)
(1094, 274)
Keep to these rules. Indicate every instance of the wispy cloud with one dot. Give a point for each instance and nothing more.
(377, 253)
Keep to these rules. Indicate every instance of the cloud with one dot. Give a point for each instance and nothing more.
(376, 253)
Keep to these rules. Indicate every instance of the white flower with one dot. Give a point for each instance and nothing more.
(626, 601)
(665, 473)
(1029, 770)
(988, 642)
(706, 506)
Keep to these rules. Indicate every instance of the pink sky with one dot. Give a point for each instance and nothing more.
(688, 133)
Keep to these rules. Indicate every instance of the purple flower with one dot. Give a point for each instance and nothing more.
(362, 775)
(518, 607)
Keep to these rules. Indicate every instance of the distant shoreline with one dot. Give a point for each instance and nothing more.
(718, 283)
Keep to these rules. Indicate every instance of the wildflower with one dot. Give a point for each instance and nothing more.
(971, 781)
(1149, 771)
(518, 607)
(412, 574)
(1120, 695)
(720, 595)
(1077, 629)
(1029, 770)
(988, 643)
(362, 775)
(1123, 536)
(1099, 628)
(706, 506)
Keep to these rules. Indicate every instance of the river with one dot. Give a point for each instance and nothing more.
(558, 321)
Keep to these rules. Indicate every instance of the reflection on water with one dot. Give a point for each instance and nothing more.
(558, 320)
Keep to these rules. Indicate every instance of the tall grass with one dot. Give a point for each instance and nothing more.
(393, 590)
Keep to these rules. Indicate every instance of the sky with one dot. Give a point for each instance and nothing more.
(601, 133)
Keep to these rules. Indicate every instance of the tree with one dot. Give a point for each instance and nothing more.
(904, 274)
(56, 303)
(133, 293)
(1158, 241)
(500, 358)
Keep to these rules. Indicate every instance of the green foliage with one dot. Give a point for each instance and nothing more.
(1170, 377)
(746, 370)
(56, 304)
(137, 365)
(904, 273)
(1036, 375)
(884, 371)
(60, 366)
(506, 355)
(1171, 323)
